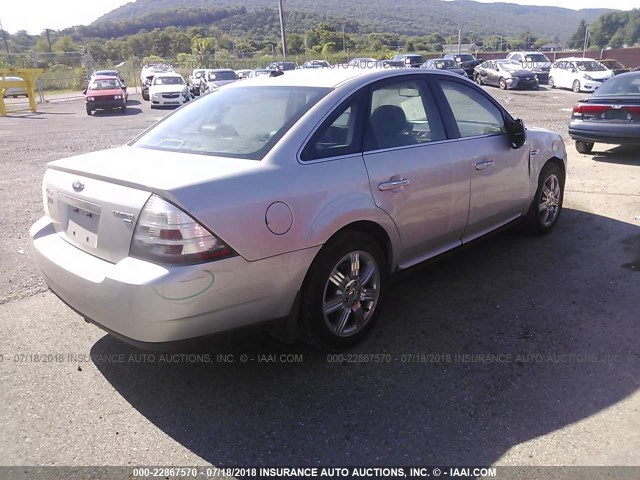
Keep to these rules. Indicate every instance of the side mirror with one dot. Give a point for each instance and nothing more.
(517, 133)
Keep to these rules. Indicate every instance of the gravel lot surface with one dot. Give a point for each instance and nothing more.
(561, 310)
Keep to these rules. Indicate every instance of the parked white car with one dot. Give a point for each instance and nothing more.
(14, 91)
(578, 74)
(168, 89)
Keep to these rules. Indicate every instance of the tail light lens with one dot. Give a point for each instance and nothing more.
(167, 235)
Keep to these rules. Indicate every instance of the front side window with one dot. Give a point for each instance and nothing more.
(590, 66)
(402, 113)
(233, 122)
(474, 113)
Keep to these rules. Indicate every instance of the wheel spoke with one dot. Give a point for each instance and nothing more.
(545, 216)
(369, 295)
(367, 273)
(333, 305)
(338, 279)
(355, 264)
(546, 191)
(344, 318)
(543, 207)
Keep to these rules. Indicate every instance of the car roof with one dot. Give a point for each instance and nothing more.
(332, 77)
(575, 59)
(167, 74)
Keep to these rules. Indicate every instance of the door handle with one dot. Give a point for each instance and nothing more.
(393, 185)
(484, 164)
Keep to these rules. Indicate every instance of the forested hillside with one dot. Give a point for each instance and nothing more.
(409, 17)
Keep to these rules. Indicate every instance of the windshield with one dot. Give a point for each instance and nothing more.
(106, 84)
(590, 66)
(622, 85)
(233, 122)
(220, 76)
(537, 57)
(159, 80)
(445, 64)
(198, 73)
(510, 65)
(465, 58)
(107, 73)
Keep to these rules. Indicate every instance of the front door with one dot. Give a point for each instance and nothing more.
(413, 174)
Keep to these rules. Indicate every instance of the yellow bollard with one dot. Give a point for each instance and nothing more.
(29, 78)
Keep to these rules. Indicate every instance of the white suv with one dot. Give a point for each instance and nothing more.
(578, 74)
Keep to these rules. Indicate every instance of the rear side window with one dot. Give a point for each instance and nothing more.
(474, 113)
(340, 134)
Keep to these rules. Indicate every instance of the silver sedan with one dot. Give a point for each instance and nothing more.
(289, 202)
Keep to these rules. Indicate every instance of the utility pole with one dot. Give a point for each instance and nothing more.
(4, 38)
(343, 42)
(585, 45)
(46, 30)
(459, 40)
(282, 34)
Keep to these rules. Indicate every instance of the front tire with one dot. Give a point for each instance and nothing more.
(576, 86)
(502, 84)
(343, 291)
(547, 203)
(551, 83)
(145, 96)
(584, 147)
(89, 111)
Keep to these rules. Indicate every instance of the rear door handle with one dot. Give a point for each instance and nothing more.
(484, 164)
(393, 185)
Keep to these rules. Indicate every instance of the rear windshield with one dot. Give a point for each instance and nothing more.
(107, 84)
(222, 76)
(233, 122)
(168, 80)
(465, 58)
(445, 64)
(536, 57)
(590, 66)
(621, 85)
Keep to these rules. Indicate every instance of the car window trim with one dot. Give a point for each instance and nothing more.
(451, 125)
(398, 79)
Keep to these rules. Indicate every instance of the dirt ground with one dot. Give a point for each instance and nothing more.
(516, 351)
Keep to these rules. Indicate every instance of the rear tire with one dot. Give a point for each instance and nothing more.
(584, 147)
(576, 86)
(343, 291)
(551, 83)
(546, 206)
(145, 96)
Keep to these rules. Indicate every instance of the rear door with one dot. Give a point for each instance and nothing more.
(499, 174)
(413, 175)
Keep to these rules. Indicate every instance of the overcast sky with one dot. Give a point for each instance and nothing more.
(36, 15)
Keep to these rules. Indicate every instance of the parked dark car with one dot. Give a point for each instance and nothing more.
(464, 60)
(145, 86)
(537, 62)
(444, 64)
(505, 74)
(610, 115)
(409, 59)
(615, 66)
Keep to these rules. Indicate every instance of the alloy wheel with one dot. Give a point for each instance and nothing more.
(549, 205)
(351, 293)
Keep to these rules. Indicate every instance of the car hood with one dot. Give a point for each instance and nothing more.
(155, 170)
(167, 88)
(104, 93)
(520, 73)
(598, 75)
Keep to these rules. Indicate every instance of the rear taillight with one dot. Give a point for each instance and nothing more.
(165, 234)
(591, 110)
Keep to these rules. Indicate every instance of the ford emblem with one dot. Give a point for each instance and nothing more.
(78, 186)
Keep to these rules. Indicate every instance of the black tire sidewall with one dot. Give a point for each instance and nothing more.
(313, 326)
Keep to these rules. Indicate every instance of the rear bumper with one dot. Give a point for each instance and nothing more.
(100, 104)
(147, 304)
(619, 134)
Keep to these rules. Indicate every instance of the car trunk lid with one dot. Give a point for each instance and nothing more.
(95, 200)
(617, 109)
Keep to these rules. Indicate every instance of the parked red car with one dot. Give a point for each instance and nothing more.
(105, 93)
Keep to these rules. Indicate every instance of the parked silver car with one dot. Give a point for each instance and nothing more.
(290, 199)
